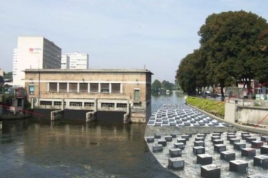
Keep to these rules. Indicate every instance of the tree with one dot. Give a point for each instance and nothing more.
(230, 41)
(156, 85)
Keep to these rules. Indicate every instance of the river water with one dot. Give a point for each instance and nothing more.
(40, 148)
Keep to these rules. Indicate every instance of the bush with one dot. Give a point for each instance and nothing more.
(211, 106)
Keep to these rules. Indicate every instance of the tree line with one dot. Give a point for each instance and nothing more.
(157, 86)
(233, 48)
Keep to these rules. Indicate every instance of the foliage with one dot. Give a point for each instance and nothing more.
(156, 85)
(8, 75)
(214, 107)
(165, 85)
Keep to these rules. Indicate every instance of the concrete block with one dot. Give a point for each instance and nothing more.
(199, 150)
(174, 152)
(157, 135)
(216, 134)
(173, 135)
(179, 121)
(150, 139)
(219, 148)
(168, 138)
(186, 137)
(215, 137)
(256, 144)
(228, 155)
(261, 160)
(201, 135)
(199, 139)
(248, 152)
(239, 145)
(175, 163)
(157, 148)
(238, 166)
(179, 145)
(264, 149)
(183, 140)
(258, 176)
(234, 140)
(230, 136)
(204, 159)
(245, 136)
(217, 141)
(264, 138)
(250, 139)
(210, 171)
(199, 143)
(172, 123)
(157, 123)
(244, 133)
(162, 142)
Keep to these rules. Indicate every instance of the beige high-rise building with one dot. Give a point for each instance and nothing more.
(34, 52)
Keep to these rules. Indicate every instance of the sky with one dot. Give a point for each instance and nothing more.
(128, 34)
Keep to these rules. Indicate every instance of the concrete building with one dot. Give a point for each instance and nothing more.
(34, 53)
(76, 60)
(65, 62)
(92, 89)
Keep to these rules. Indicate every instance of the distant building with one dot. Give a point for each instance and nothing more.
(76, 61)
(127, 90)
(65, 62)
(34, 53)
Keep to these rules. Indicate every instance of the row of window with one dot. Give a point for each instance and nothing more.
(85, 104)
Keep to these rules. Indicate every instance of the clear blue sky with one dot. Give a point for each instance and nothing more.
(156, 34)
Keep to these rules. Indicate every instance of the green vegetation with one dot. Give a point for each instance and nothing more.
(211, 106)
(233, 48)
(157, 86)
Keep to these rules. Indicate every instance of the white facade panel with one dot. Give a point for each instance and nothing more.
(78, 60)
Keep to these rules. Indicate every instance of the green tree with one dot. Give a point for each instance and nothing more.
(156, 86)
(233, 50)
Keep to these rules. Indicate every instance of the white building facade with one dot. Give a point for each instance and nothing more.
(34, 53)
(65, 62)
(76, 60)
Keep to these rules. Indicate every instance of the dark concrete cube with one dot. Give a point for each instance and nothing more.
(216, 134)
(174, 152)
(248, 152)
(256, 144)
(201, 135)
(175, 163)
(198, 150)
(238, 166)
(239, 145)
(234, 140)
(250, 139)
(215, 137)
(264, 149)
(150, 139)
(261, 160)
(162, 142)
(264, 138)
(245, 136)
(168, 138)
(204, 159)
(182, 140)
(186, 137)
(158, 124)
(210, 171)
(217, 141)
(219, 148)
(157, 148)
(173, 135)
(199, 143)
(244, 133)
(230, 136)
(228, 155)
(157, 135)
(179, 145)
(199, 138)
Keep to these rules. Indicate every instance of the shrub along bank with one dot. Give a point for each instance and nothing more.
(211, 106)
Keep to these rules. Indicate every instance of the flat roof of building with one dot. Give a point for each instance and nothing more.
(88, 71)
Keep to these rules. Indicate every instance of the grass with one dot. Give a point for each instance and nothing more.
(214, 107)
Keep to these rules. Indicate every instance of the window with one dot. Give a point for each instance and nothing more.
(89, 104)
(107, 105)
(137, 104)
(46, 103)
(121, 105)
(31, 89)
(94, 87)
(75, 103)
(53, 87)
(105, 87)
(137, 95)
(83, 87)
(19, 102)
(63, 87)
(115, 87)
(72, 87)
(57, 103)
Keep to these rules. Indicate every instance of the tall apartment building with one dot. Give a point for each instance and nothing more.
(65, 62)
(34, 53)
(76, 61)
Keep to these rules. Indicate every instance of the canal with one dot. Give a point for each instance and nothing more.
(66, 148)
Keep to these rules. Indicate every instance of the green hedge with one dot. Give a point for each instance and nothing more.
(214, 107)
